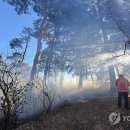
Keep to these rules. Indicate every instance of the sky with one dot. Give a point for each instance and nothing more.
(11, 25)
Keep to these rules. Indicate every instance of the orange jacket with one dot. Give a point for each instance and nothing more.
(122, 84)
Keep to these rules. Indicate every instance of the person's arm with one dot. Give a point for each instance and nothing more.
(128, 83)
(116, 83)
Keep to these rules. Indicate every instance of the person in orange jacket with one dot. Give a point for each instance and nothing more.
(122, 87)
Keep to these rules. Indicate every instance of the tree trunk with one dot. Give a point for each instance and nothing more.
(80, 80)
(101, 23)
(112, 77)
(39, 42)
(117, 70)
(61, 79)
(48, 62)
(37, 57)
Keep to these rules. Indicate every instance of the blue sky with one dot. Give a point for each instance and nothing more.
(11, 25)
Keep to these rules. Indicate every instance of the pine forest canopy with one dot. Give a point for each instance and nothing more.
(72, 31)
(81, 48)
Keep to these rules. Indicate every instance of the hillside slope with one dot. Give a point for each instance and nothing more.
(91, 115)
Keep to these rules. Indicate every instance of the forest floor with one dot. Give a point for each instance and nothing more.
(90, 115)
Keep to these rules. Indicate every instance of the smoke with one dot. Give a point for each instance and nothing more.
(96, 84)
(120, 1)
(97, 45)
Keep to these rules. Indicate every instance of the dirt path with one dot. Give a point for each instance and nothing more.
(92, 115)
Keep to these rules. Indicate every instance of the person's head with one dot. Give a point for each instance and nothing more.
(121, 76)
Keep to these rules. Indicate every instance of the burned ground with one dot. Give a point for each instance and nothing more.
(91, 115)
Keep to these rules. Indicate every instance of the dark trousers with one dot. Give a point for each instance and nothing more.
(125, 96)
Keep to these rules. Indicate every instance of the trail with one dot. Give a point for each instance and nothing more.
(91, 115)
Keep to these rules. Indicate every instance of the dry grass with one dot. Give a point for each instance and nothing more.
(92, 115)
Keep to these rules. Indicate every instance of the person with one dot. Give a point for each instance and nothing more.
(122, 87)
